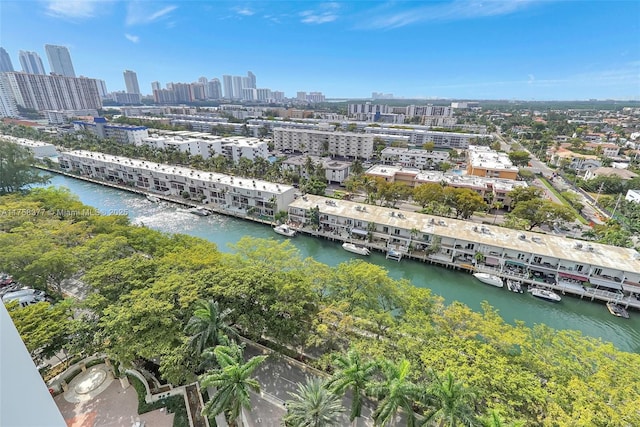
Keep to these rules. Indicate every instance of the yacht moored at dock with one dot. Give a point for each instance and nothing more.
(489, 279)
(153, 199)
(545, 294)
(199, 211)
(514, 286)
(356, 249)
(284, 230)
(617, 310)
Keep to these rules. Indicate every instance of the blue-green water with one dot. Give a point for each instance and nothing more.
(591, 318)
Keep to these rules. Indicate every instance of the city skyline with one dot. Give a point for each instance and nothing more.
(528, 49)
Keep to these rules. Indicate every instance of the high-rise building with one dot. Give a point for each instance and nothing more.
(227, 82)
(131, 81)
(252, 80)
(155, 86)
(8, 107)
(31, 62)
(183, 92)
(5, 61)
(277, 95)
(301, 96)
(237, 87)
(102, 88)
(59, 60)
(215, 89)
(263, 94)
(54, 92)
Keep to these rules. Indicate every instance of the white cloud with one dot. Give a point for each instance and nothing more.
(139, 13)
(244, 11)
(73, 8)
(326, 12)
(132, 38)
(455, 10)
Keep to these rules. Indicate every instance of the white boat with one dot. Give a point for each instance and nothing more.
(199, 211)
(545, 294)
(514, 286)
(356, 249)
(489, 279)
(284, 230)
(617, 310)
(153, 199)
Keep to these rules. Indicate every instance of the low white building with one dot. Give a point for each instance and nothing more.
(633, 196)
(124, 134)
(191, 146)
(243, 195)
(334, 171)
(39, 149)
(236, 148)
(413, 158)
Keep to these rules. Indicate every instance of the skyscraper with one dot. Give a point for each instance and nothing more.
(31, 62)
(59, 60)
(8, 107)
(131, 81)
(227, 83)
(102, 88)
(53, 92)
(155, 86)
(252, 80)
(5, 61)
(215, 89)
(237, 87)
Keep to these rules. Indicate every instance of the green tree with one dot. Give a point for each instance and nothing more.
(354, 374)
(209, 326)
(523, 194)
(424, 194)
(520, 158)
(314, 405)
(16, 170)
(542, 212)
(233, 383)
(450, 402)
(395, 391)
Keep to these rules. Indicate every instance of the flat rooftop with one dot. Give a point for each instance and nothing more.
(233, 181)
(606, 256)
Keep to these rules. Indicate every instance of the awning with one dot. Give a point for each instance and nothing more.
(491, 261)
(512, 262)
(359, 231)
(573, 276)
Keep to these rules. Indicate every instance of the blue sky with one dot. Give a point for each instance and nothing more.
(513, 49)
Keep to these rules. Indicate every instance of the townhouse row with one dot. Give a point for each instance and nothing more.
(242, 195)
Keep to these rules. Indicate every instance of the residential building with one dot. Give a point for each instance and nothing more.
(335, 172)
(59, 117)
(455, 243)
(8, 106)
(249, 94)
(236, 148)
(192, 146)
(420, 135)
(126, 98)
(5, 61)
(131, 81)
(124, 134)
(264, 94)
(215, 89)
(39, 149)
(231, 193)
(301, 96)
(252, 80)
(59, 60)
(322, 143)
(53, 92)
(413, 158)
(633, 196)
(482, 161)
(623, 174)
(102, 88)
(31, 62)
(563, 157)
(237, 87)
(155, 86)
(227, 83)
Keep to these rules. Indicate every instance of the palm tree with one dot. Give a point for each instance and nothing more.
(395, 391)
(352, 373)
(451, 402)
(314, 405)
(209, 326)
(233, 383)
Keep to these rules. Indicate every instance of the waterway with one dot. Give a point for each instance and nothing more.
(591, 318)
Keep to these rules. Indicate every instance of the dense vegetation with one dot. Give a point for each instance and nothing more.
(147, 287)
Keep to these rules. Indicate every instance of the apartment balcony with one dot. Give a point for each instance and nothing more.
(545, 266)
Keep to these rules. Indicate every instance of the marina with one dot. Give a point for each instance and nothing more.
(489, 279)
(356, 249)
(453, 283)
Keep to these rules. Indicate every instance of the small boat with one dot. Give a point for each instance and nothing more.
(617, 310)
(545, 294)
(199, 211)
(356, 249)
(152, 199)
(514, 286)
(489, 279)
(285, 230)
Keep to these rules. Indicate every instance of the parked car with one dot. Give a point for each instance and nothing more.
(5, 279)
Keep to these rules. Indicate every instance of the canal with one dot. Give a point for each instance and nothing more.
(591, 318)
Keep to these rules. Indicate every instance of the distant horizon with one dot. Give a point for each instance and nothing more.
(526, 50)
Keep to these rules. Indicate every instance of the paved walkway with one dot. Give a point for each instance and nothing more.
(95, 399)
